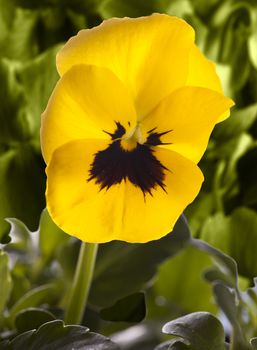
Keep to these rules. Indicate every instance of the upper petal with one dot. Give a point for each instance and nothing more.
(86, 101)
(149, 54)
(202, 73)
(189, 115)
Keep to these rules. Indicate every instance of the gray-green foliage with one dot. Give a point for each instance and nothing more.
(6, 283)
(54, 335)
(200, 331)
(45, 275)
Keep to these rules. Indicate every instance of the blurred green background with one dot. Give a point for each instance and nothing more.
(225, 212)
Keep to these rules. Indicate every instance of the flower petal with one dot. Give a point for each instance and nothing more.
(149, 54)
(87, 101)
(150, 218)
(121, 212)
(202, 72)
(76, 204)
(189, 114)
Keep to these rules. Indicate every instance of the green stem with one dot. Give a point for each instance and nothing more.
(81, 283)
(238, 340)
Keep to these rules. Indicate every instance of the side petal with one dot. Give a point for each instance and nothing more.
(86, 101)
(202, 72)
(189, 115)
(152, 217)
(76, 204)
(149, 54)
(122, 212)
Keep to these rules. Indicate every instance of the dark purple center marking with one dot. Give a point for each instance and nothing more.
(139, 165)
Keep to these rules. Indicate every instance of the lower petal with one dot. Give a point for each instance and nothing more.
(122, 212)
(76, 204)
(152, 217)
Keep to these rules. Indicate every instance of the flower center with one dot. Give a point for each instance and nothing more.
(132, 138)
(130, 156)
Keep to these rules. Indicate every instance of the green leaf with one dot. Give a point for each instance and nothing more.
(252, 45)
(244, 240)
(213, 230)
(178, 278)
(179, 8)
(20, 278)
(54, 335)
(204, 8)
(67, 257)
(228, 265)
(18, 229)
(21, 43)
(252, 41)
(216, 274)
(20, 235)
(240, 69)
(235, 27)
(129, 309)
(118, 271)
(239, 122)
(201, 330)
(77, 19)
(22, 186)
(32, 318)
(120, 8)
(253, 342)
(38, 91)
(247, 174)
(51, 237)
(232, 151)
(6, 282)
(252, 292)
(226, 299)
(234, 44)
(198, 212)
(224, 73)
(229, 29)
(35, 297)
(14, 126)
(174, 344)
(235, 235)
(7, 10)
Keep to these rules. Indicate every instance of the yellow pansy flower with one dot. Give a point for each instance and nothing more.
(125, 127)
